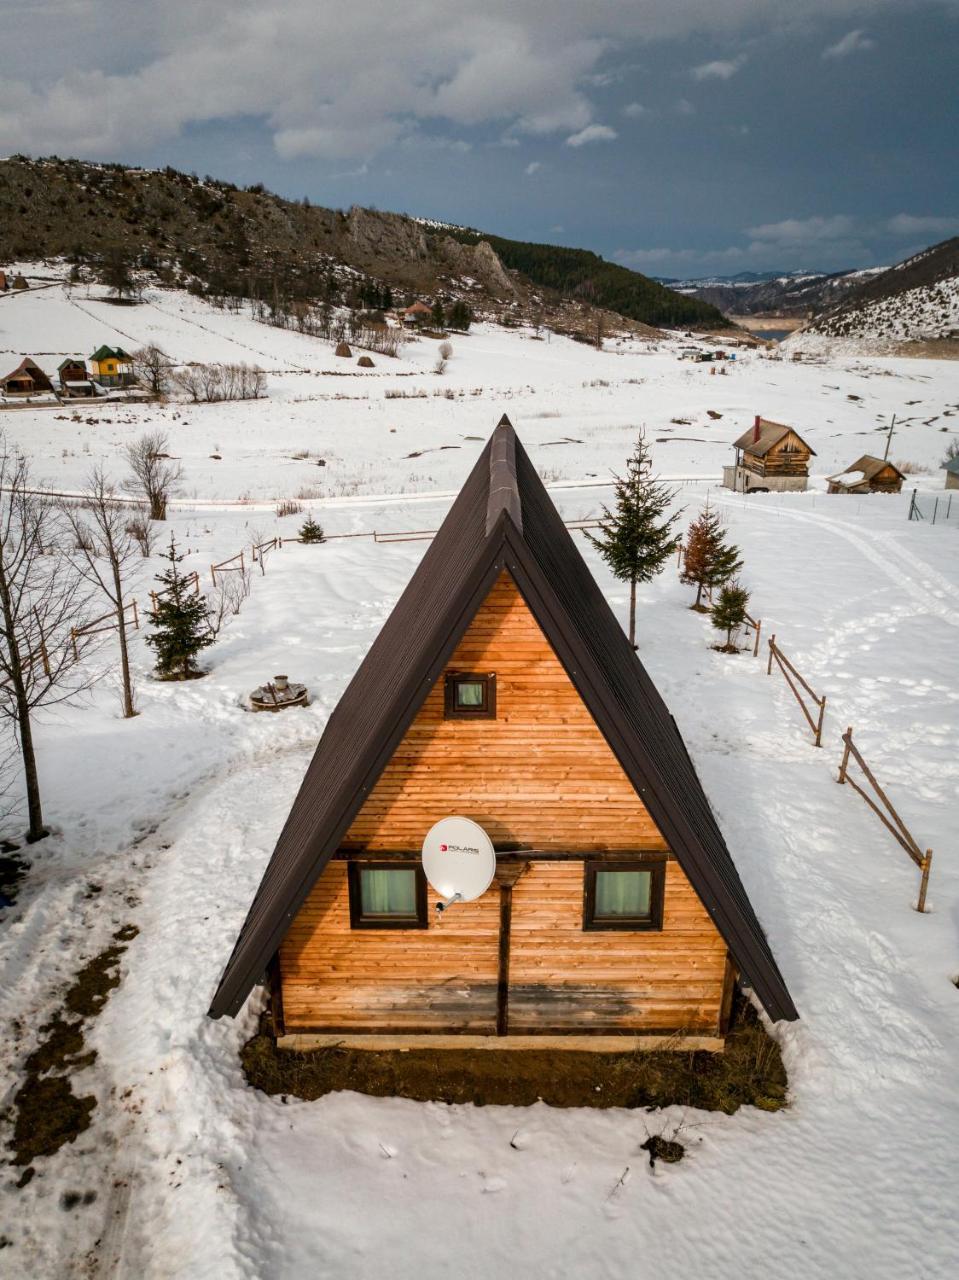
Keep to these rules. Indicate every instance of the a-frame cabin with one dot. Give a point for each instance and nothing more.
(503, 689)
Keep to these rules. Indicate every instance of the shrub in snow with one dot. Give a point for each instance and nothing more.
(310, 531)
(729, 611)
(181, 622)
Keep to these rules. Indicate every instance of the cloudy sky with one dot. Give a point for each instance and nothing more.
(676, 136)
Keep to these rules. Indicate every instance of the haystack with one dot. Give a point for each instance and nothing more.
(343, 349)
(365, 362)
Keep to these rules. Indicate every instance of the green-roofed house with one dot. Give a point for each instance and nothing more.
(112, 367)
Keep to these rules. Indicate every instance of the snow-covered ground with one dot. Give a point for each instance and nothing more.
(401, 428)
(166, 822)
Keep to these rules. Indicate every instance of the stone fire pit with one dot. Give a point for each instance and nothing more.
(279, 694)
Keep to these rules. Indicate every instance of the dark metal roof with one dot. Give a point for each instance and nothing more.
(503, 518)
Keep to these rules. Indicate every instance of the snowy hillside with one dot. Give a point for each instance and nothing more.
(165, 823)
(401, 428)
(913, 302)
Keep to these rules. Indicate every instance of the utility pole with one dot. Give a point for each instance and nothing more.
(892, 425)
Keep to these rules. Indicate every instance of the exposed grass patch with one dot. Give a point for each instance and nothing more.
(12, 870)
(665, 1149)
(48, 1113)
(749, 1073)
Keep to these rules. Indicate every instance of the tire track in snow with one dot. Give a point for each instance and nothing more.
(180, 318)
(927, 589)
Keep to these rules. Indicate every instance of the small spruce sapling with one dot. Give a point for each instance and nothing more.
(729, 611)
(710, 561)
(635, 540)
(181, 621)
(311, 531)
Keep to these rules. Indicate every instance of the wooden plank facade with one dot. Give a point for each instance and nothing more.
(503, 689)
(541, 776)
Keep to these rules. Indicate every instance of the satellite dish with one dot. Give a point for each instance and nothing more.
(458, 860)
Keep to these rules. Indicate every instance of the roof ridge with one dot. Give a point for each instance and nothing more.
(503, 489)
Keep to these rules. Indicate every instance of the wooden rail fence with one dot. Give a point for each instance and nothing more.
(228, 566)
(271, 544)
(786, 667)
(757, 627)
(890, 819)
(97, 626)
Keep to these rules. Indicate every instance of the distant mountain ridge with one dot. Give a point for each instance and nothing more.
(915, 301)
(221, 240)
(801, 294)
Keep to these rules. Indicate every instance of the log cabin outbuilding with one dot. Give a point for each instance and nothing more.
(75, 381)
(769, 456)
(868, 475)
(417, 314)
(951, 469)
(3, 282)
(503, 689)
(27, 379)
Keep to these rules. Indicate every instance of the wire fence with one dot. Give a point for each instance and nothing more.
(934, 508)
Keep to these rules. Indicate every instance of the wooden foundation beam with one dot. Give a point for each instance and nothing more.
(304, 1042)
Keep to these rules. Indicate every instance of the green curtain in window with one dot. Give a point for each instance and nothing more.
(623, 893)
(390, 892)
(469, 693)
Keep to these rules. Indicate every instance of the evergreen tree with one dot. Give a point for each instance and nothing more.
(730, 610)
(710, 560)
(181, 622)
(636, 541)
(460, 316)
(439, 318)
(310, 531)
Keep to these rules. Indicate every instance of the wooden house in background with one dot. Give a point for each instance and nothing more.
(419, 313)
(868, 475)
(75, 382)
(769, 456)
(951, 469)
(27, 379)
(112, 367)
(503, 689)
(3, 282)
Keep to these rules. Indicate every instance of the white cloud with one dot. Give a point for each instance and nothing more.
(592, 133)
(719, 70)
(804, 231)
(533, 167)
(852, 42)
(634, 110)
(685, 108)
(338, 87)
(907, 224)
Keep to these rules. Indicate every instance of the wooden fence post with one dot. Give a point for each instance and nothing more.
(847, 739)
(759, 627)
(136, 617)
(45, 657)
(924, 881)
(73, 637)
(822, 715)
(772, 650)
(213, 573)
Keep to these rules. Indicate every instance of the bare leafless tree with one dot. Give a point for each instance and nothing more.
(155, 474)
(152, 368)
(105, 551)
(141, 531)
(42, 601)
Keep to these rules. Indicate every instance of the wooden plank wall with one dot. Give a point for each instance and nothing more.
(540, 774)
(566, 980)
(413, 980)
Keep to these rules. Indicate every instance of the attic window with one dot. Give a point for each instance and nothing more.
(387, 895)
(470, 696)
(624, 895)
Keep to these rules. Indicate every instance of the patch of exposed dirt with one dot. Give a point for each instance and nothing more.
(749, 1073)
(47, 1113)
